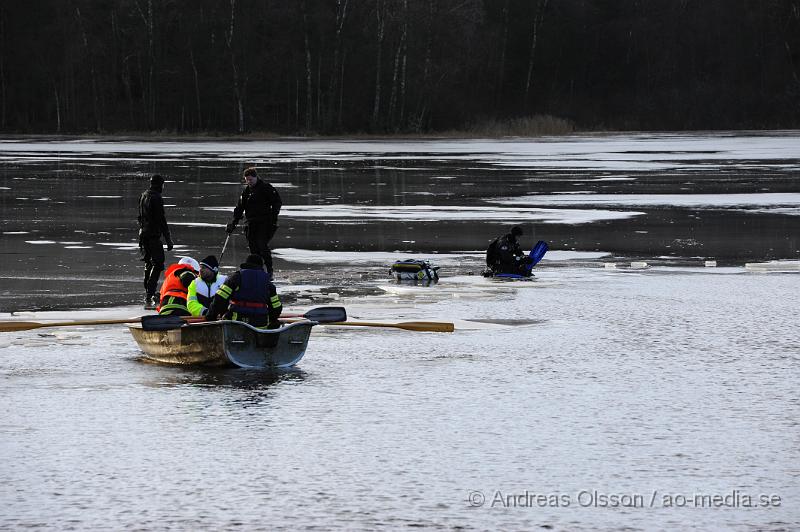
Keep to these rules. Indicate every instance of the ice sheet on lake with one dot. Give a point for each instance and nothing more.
(777, 266)
(438, 259)
(333, 213)
(357, 257)
(197, 224)
(765, 199)
(622, 152)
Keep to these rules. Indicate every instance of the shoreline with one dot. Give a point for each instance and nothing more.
(432, 136)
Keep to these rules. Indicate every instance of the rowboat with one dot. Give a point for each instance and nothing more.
(225, 343)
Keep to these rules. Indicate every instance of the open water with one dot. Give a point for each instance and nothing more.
(593, 397)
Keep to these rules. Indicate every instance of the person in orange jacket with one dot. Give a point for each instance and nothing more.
(174, 290)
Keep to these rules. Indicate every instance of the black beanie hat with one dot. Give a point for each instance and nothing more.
(211, 262)
(516, 230)
(253, 260)
(157, 180)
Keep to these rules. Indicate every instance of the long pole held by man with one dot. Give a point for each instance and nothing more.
(260, 205)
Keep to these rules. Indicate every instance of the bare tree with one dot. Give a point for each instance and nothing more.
(237, 91)
(196, 85)
(309, 86)
(501, 70)
(379, 34)
(149, 94)
(422, 102)
(538, 17)
(398, 69)
(3, 93)
(93, 76)
(337, 77)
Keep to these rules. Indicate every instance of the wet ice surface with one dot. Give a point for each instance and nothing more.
(677, 378)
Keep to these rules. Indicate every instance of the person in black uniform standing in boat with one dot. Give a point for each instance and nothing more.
(260, 204)
(152, 226)
(505, 255)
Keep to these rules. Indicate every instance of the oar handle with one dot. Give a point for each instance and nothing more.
(10, 326)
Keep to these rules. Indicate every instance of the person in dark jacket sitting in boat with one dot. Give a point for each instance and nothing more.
(505, 255)
(152, 226)
(248, 295)
(174, 289)
(260, 204)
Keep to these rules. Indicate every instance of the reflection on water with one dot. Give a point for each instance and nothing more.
(244, 379)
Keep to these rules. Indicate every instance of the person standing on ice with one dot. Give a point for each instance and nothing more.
(260, 203)
(505, 255)
(152, 226)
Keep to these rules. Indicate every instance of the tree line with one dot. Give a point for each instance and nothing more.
(396, 66)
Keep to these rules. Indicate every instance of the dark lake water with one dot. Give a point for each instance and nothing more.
(69, 207)
(647, 399)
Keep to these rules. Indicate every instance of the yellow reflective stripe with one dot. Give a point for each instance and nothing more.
(225, 291)
(276, 301)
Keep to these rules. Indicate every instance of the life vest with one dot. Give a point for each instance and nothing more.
(252, 296)
(173, 293)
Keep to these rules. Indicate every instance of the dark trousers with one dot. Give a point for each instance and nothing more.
(153, 256)
(258, 237)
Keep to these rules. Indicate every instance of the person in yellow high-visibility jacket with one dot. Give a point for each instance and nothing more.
(203, 288)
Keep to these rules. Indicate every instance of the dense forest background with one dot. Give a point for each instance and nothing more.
(396, 66)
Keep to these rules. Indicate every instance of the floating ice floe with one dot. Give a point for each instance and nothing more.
(765, 199)
(620, 152)
(197, 224)
(773, 266)
(367, 257)
(438, 259)
(418, 213)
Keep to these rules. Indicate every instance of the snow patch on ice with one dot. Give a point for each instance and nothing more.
(659, 200)
(331, 213)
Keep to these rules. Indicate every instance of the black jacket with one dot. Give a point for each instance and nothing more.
(152, 221)
(219, 305)
(261, 203)
(504, 254)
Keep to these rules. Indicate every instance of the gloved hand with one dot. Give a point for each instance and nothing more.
(230, 227)
(170, 245)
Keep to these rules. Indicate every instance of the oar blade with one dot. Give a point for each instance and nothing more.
(326, 314)
(427, 326)
(161, 323)
(11, 326)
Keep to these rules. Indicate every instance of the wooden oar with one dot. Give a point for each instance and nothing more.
(10, 326)
(168, 322)
(424, 326)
